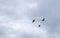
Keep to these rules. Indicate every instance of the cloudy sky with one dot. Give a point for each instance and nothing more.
(16, 18)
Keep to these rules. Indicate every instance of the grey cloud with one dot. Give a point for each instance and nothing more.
(17, 11)
(4, 32)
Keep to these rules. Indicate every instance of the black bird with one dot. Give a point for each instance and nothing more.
(43, 19)
(38, 25)
(33, 21)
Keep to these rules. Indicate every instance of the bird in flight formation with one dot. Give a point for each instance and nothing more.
(43, 19)
(34, 21)
(38, 25)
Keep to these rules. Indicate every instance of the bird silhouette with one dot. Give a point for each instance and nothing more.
(43, 19)
(38, 25)
(33, 21)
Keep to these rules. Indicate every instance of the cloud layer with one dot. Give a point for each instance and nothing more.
(16, 17)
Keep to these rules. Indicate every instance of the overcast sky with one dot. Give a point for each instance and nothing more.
(16, 18)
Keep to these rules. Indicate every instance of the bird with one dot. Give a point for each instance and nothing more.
(33, 21)
(43, 19)
(38, 25)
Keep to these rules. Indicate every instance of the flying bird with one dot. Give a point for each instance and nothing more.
(33, 21)
(43, 19)
(38, 25)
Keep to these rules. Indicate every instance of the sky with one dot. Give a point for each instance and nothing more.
(16, 18)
